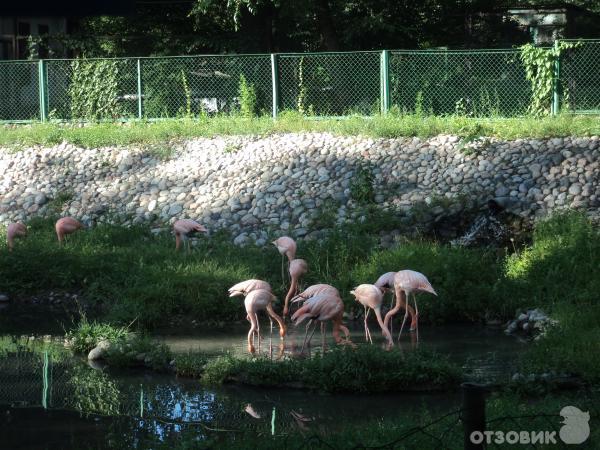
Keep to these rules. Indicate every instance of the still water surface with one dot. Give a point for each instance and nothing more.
(74, 403)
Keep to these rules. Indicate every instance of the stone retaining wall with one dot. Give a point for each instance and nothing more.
(281, 183)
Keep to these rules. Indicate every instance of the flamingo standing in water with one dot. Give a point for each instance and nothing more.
(184, 228)
(386, 283)
(408, 282)
(66, 225)
(311, 291)
(14, 231)
(323, 307)
(286, 247)
(245, 287)
(260, 300)
(371, 297)
(298, 267)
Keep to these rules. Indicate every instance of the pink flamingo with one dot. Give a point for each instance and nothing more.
(370, 296)
(323, 307)
(311, 291)
(66, 225)
(184, 228)
(298, 267)
(13, 231)
(405, 283)
(260, 300)
(286, 247)
(245, 287)
(385, 283)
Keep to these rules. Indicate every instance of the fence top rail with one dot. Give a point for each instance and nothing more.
(580, 40)
(135, 58)
(459, 50)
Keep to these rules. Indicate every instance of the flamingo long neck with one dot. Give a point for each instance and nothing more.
(290, 294)
(384, 329)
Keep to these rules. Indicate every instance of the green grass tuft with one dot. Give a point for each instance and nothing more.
(385, 126)
(365, 369)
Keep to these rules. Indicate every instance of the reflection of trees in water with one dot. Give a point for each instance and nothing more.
(138, 407)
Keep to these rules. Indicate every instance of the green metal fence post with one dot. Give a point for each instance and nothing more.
(275, 83)
(385, 81)
(45, 380)
(43, 89)
(555, 109)
(139, 87)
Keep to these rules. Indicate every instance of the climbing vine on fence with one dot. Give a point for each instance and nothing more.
(94, 89)
(540, 66)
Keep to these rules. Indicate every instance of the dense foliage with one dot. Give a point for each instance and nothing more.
(249, 26)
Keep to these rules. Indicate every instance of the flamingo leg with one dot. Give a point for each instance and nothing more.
(417, 316)
(306, 334)
(368, 332)
(253, 321)
(406, 313)
(322, 337)
(258, 333)
(392, 321)
(310, 337)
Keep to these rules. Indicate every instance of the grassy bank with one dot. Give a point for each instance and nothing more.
(136, 275)
(392, 125)
(364, 369)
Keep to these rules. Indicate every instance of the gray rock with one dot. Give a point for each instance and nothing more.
(175, 209)
(40, 199)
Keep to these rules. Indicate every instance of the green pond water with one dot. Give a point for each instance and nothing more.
(60, 402)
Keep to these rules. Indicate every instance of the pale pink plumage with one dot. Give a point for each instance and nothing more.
(313, 290)
(298, 267)
(260, 300)
(184, 228)
(66, 225)
(14, 231)
(370, 296)
(245, 287)
(323, 307)
(286, 246)
(408, 282)
(386, 281)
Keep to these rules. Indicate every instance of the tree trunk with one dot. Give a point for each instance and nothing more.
(326, 28)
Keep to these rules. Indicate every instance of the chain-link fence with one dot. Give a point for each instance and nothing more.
(19, 91)
(330, 84)
(580, 76)
(474, 83)
(477, 83)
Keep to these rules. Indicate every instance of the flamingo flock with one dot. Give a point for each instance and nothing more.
(317, 304)
(322, 303)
